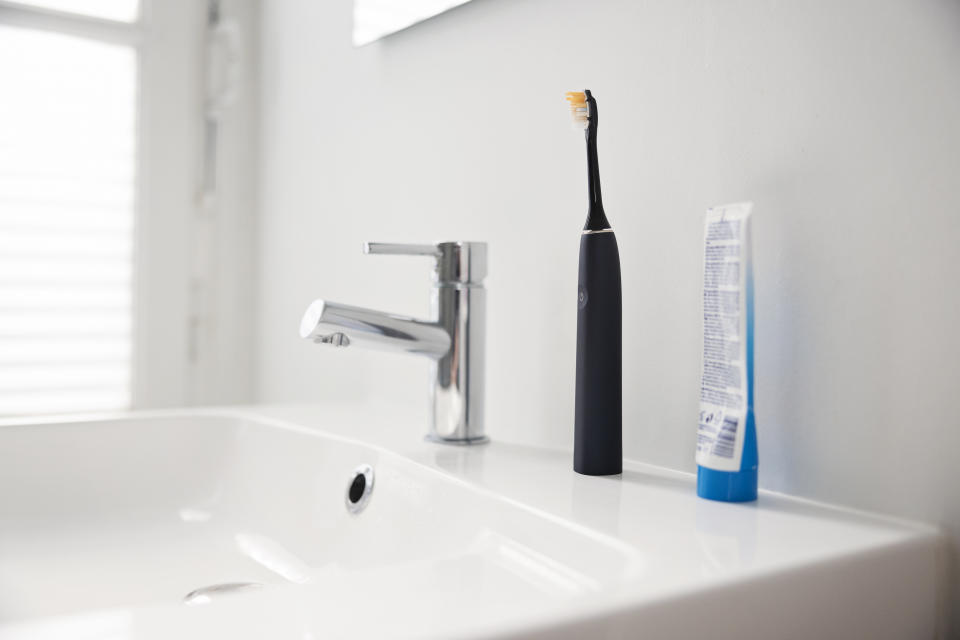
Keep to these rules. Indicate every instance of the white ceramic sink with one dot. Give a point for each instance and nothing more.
(106, 525)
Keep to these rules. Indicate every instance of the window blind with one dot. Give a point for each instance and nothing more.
(67, 191)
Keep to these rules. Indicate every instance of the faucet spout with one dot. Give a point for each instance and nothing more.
(341, 325)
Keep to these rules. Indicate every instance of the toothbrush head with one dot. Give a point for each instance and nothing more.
(579, 108)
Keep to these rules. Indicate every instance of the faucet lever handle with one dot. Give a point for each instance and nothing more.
(457, 262)
(399, 249)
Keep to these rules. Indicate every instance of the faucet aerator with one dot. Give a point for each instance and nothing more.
(334, 339)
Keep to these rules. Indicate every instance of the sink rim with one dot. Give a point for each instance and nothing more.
(498, 464)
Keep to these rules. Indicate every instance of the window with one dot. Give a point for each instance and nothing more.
(120, 287)
(68, 184)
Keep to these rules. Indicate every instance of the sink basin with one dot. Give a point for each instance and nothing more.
(235, 524)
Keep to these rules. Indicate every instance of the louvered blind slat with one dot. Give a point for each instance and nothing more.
(119, 10)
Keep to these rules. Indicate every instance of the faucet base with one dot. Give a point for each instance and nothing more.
(463, 442)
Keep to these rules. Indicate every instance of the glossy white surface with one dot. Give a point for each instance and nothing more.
(849, 148)
(107, 524)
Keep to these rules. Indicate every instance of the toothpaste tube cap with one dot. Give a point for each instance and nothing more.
(728, 486)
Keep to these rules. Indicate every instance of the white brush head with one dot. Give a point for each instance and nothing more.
(579, 109)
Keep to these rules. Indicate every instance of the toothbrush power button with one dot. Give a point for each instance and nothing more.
(582, 297)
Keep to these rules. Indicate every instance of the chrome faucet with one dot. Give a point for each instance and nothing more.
(454, 339)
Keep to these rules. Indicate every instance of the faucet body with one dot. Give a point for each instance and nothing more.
(453, 338)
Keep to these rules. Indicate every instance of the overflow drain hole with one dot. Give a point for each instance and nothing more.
(359, 488)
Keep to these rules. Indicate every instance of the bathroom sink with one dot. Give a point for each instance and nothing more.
(239, 524)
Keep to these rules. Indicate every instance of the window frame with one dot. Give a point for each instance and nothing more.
(168, 41)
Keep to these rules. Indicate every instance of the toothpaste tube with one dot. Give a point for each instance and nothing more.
(727, 434)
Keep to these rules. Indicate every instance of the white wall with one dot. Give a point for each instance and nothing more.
(220, 363)
(195, 263)
(841, 120)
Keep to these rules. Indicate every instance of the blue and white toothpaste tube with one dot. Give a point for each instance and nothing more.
(727, 435)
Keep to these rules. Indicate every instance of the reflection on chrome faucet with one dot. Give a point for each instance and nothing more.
(454, 339)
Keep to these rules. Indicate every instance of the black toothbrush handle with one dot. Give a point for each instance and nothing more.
(598, 444)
